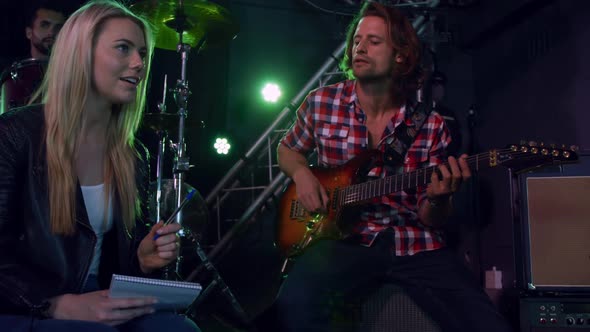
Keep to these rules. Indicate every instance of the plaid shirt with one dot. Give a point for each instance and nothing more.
(331, 121)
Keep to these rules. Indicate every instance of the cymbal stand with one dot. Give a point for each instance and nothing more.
(162, 138)
(181, 166)
(181, 161)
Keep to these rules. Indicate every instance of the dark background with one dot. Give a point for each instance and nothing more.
(519, 63)
(521, 66)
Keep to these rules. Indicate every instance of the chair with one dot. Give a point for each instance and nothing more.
(390, 309)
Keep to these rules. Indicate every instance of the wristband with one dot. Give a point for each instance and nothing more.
(42, 310)
(433, 202)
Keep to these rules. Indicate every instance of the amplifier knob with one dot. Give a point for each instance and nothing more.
(580, 321)
(542, 321)
(553, 321)
(569, 321)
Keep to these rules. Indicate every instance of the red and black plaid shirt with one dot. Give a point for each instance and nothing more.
(331, 121)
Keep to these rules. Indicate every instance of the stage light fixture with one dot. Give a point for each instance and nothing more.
(222, 145)
(271, 92)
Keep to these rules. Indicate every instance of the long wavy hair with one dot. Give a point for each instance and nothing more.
(65, 89)
(407, 76)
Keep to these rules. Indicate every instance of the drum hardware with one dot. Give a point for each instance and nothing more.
(199, 20)
(162, 138)
(195, 215)
(19, 82)
(181, 26)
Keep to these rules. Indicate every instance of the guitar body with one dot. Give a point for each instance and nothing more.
(296, 228)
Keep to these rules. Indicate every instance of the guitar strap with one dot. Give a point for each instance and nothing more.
(397, 144)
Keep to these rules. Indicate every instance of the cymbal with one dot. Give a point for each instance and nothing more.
(204, 19)
(160, 121)
(195, 214)
(168, 122)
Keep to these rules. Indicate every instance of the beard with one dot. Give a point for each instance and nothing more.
(42, 47)
(371, 73)
(370, 76)
(396, 81)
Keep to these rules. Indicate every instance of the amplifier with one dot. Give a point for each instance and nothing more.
(555, 314)
(556, 214)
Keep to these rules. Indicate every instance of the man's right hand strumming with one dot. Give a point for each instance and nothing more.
(310, 192)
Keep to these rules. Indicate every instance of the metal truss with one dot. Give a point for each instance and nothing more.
(255, 181)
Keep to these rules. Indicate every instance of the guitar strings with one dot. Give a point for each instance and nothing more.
(367, 190)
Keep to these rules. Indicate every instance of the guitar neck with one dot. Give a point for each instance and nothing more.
(395, 183)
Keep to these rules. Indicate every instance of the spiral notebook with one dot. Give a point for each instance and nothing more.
(170, 294)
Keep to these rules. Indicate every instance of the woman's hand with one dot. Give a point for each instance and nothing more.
(98, 307)
(156, 253)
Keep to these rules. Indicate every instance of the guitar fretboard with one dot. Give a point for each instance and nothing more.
(395, 183)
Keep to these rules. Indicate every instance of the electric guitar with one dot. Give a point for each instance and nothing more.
(297, 228)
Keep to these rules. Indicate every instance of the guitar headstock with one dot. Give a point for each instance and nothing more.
(532, 154)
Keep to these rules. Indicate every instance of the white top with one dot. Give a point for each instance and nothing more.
(94, 201)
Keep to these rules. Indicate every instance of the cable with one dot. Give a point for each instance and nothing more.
(407, 4)
(309, 2)
(396, 3)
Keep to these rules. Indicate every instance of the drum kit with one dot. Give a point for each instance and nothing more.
(182, 26)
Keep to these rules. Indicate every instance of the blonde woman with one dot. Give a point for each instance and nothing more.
(73, 186)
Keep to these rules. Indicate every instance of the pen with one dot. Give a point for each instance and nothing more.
(188, 197)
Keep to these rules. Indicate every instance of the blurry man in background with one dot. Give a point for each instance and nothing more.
(21, 77)
(45, 21)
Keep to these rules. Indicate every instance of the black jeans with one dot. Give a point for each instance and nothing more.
(156, 322)
(329, 272)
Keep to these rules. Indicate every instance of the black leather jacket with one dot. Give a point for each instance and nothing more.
(34, 263)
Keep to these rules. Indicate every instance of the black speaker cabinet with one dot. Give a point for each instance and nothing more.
(555, 210)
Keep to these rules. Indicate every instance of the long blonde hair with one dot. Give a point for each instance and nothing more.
(65, 89)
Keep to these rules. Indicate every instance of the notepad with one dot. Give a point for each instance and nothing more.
(170, 294)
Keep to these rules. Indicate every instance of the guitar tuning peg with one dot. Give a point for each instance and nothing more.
(563, 147)
(542, 144)
(574, 148)
(533, 143)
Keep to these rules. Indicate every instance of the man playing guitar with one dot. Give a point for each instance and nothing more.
(397, 237)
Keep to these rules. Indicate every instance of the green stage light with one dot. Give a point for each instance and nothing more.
(271, 93)
(222, 145)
